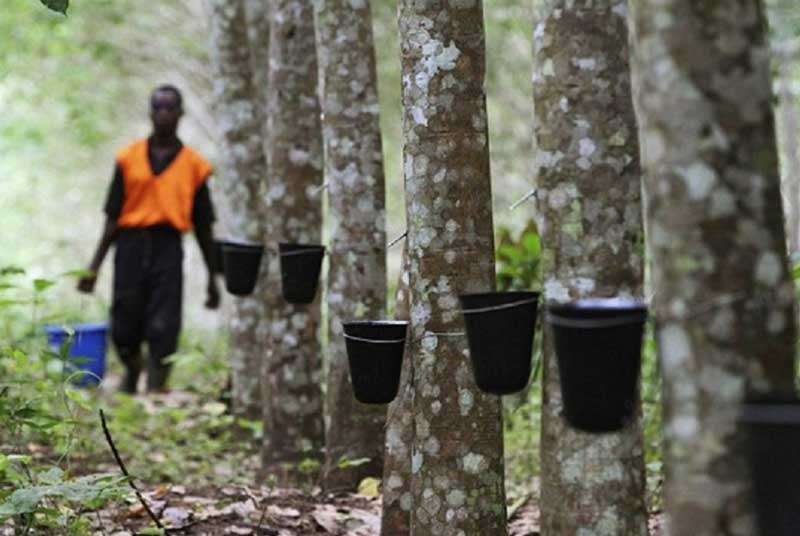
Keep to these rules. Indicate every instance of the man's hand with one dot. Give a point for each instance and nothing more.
(212, 296)
(87, 282)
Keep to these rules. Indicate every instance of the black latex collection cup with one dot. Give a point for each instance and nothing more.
(241, 262)
(773, 442)
(300, 268)
(500, 329)
(598, 345)
(375, 355)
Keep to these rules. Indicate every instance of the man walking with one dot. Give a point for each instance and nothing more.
(159, 191)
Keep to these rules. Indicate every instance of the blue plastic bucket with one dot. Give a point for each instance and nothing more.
(87, 350)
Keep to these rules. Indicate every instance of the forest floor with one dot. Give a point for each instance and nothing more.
(225, 505)
(266, 512)
(195, 463)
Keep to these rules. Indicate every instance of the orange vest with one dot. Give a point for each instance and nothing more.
(160, 199)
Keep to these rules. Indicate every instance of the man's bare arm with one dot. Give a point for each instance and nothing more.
(86, 283)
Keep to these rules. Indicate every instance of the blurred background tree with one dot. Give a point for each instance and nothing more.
(784, 17)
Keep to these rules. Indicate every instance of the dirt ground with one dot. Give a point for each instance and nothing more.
(257, 511)
(277, 512)
(264, 512)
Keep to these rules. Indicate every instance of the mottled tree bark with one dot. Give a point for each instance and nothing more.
(396, 514)
(724, 308)
(243, 176)
(293, 423)
(457, 458)
(258, 35)
(589, 217)
(357, 250)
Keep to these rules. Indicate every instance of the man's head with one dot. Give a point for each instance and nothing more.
(166, 109)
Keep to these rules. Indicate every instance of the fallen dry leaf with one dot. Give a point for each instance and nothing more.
(135, 510)
(369, 487)
(282, 512)
(159, 492)
(362, 523)
(209, 512)
(243, 509)
(198, 500)
(176, 516)
(238, 530)
(326, 517)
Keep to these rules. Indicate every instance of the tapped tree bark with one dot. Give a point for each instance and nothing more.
(293, 423)
(589, 217)
(457, 457)
(725, 302)
(243, 176)
(357, 275)
(399, 437)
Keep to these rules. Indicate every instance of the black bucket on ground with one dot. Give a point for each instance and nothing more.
(500, 328)
(773, 442)
(598, 345)
(375, 354)
(300, 267)
(241, 262)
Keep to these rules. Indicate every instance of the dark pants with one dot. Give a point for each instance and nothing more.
(147, 301)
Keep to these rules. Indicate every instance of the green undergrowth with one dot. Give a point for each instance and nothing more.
(55, 464)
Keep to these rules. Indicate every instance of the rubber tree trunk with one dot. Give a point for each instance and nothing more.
(258, 35)
(724, 308)
(397, 501)
(243, 174)
(457, 458)
(357, 250)
(293, 423)
(258, 31)
(589, 217)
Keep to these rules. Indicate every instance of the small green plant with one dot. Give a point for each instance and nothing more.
(38, 406)
(308, 466)
(49, 490)
(345, 463)
(518, 259)
(309, 470)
